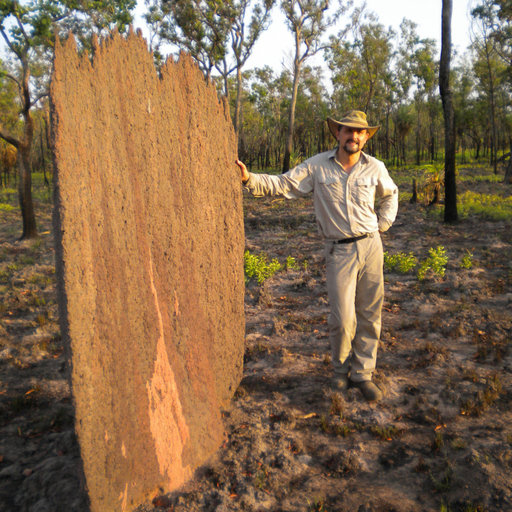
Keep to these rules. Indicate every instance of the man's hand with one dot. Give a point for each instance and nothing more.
(243, 170)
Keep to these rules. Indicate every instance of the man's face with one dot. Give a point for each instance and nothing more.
(352, 140)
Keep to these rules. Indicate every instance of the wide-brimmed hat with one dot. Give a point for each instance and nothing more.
(353, 119)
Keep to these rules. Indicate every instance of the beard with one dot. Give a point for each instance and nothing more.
(351, 147)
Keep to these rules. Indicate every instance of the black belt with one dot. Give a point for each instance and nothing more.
(350, 240)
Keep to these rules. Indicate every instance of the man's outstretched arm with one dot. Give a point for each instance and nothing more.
(243, 171)
(297, 182)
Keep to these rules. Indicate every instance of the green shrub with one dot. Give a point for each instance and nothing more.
(487, 206)
(291, 263)
(467, 260)
(435, 263)
(401, 262)
(259, 268)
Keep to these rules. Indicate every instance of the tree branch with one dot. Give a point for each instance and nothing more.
(9, 139)
(39, 97)
(13, 78)
(22, 28)
(9, 43)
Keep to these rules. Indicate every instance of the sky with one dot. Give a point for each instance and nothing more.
(275, 45)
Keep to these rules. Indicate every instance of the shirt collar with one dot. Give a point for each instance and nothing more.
(363, 159)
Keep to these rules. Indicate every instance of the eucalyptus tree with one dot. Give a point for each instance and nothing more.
(493, 42)
(199, 27)
(343, 62)
(219, 35)
(497, 16)
(450, 203)
(312, 109)
(8, 100)
(361, 67)
(308, 21)
(403, 121)
(486, 59)
(425, 71)
(268, 96)
(9, 116)
(405, 65)
(28, 33)
(466, 123)
(488, 71)
(242, 39)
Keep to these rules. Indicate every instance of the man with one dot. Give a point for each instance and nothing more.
(344, 183)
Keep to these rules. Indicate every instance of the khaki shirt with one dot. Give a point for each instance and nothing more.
(344, 202)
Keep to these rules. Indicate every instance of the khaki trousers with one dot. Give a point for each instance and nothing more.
(355, 285)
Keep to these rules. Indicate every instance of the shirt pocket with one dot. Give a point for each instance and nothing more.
(330, 189)
(363, 190)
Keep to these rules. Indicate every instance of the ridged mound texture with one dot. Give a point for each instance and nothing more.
(149, 251)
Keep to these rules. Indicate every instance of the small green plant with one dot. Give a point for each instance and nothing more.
(343, 430)
(458, 444)
(434, 182)
(36, 245)
(484, 399)
(259, 268)
(434, 264)
(401, 262)
(13, 267)
(318, 505)
(41, 280)
(443, 482)
(337, 405)
(324, 423)
(385, 433)
(291, 263)
(467, 260)
(438, 442)
(261, 477)
(26, 259)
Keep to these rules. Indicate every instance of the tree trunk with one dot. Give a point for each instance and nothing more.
(492, 108)
(238, 101)
(414, 197)
(418, 140)
(450, 202)
(508, 169)
(291, 118)
(25, 193)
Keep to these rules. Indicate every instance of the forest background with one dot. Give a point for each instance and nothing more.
(279, 115)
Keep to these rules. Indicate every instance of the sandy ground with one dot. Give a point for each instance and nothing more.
(440, 440)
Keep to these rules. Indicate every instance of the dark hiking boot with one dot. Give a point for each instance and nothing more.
(370, 391)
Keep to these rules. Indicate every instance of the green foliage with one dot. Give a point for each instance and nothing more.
(385, 433)
(291, 263)
(318, 505)
(487, 206)
(6, 207)
(433, 181)
(259, 268)
(435, 264)
(401, 262)
(480, 178)
(467, 260)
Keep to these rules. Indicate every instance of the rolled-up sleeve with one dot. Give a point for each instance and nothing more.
(387, 192)
(296, 183)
